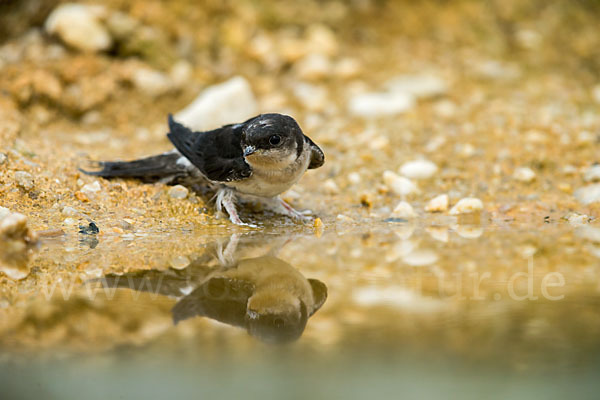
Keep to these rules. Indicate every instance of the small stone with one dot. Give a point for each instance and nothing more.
(91, 189)
(576, 219)
(79, 26)
(4, 212)
(313, 67)
(588, 233)
(13, 226)
(121, 25)
(230, 101)
(354, 178)
(151, 82)
(524, 174)
(178, 192)
(347, 68)
(343, 218)
(181, 73)
(127, 223)
(3, 158)
(69, 221)
(404, 210)
(468, 205)
(318, 223)
(81, 196)
(70, 212)
(321, 40)
(380, 104)
(330, 187)
(312, 97)
(420, 258)
(418, 169)
(179, 262)
(24, 180)
(398, 184)
(585, 138)
(438, 204)
(592, 174)
(588, 194)
(419, 86)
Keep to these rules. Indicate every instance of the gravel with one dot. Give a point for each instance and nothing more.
(468, 205)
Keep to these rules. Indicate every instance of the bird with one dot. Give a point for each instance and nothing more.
(254, 160)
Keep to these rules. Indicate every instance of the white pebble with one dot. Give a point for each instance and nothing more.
(24, 180)
(467, 205)
(178, 192)
(354, 178)
(91, 189)
(343, 218)
(373, 105)
(79, 26)
(217, 105)
(588, 233)
(419, 86)
(576, 219)
(331, 187)
(418, 169)
(524, 174)
(588, 194)
(179, 262)
(404, 210)
(70, 212)
(398, 184)
(151, 82)
(313, 67)
(438, 204)
(420, 258)
(592, 174)
(4, 212)
(3, 158)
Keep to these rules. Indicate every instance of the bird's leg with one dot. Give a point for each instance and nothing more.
(225, 199)
(281, 207)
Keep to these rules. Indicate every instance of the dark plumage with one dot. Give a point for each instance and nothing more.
(262, 157)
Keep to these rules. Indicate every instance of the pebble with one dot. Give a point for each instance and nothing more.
(588, 233)
(354, 178)
(312, 97)
(330, 187)
(347, 68)
(380, 104)
(79, 26)
(13, 226)
(91, 189)
(219, 105)
(418, 169)
(420, 258)
(588, 194)
(419, 86)
(592, 174)
(24, 180)
(343, 218)
(404, 210)
(322, 40)
(70, 211)
(467, 205)
(3, 158)
(398, 184)
(181, 73)
(438, 204)
(178, 192)
(4, 212)
(179, 262)
(576, 219)
(524, 174)
(151, 82)
(313, 67)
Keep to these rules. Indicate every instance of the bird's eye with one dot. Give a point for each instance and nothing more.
(275, 140)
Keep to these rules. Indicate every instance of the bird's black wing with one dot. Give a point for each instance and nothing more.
(217, 153)
(317, 158)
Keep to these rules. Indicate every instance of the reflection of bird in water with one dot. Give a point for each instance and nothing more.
(265, 295)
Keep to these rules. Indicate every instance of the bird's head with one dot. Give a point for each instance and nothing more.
(271, 141)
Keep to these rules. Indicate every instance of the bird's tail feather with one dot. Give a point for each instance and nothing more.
(163, 167)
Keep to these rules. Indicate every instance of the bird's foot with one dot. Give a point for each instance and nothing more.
(285, 209)
(225, 199)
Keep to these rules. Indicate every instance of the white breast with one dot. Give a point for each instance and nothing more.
(266, 182)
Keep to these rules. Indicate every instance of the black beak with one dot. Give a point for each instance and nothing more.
(249, 150)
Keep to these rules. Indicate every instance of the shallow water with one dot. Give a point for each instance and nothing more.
(468, 306)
